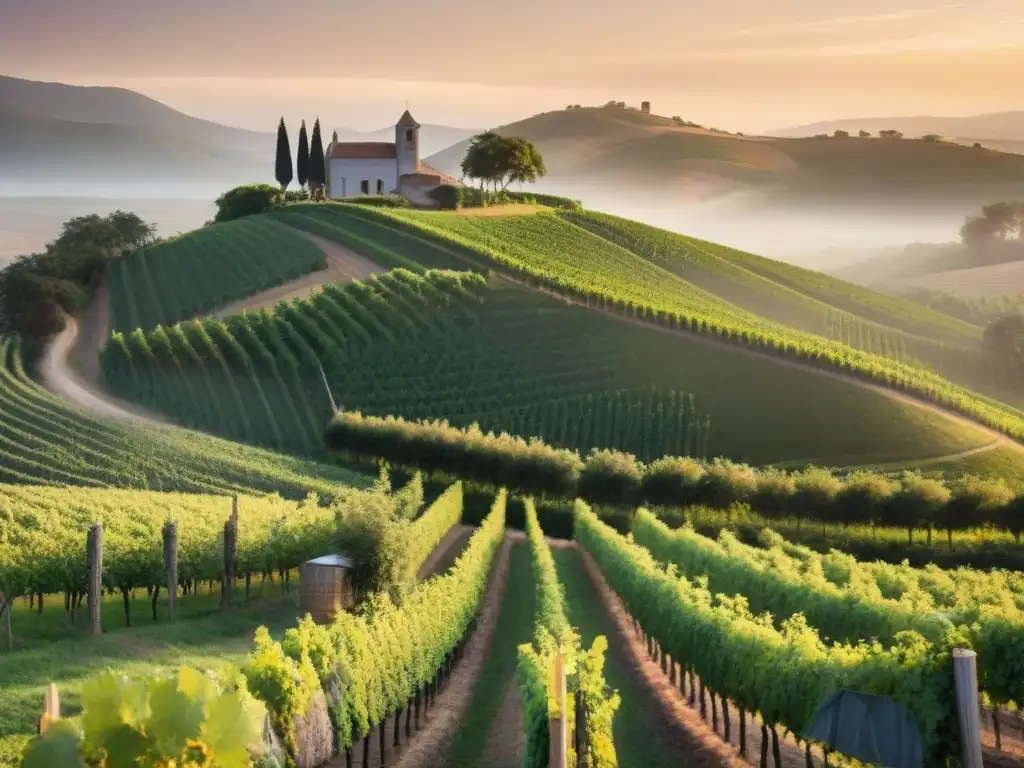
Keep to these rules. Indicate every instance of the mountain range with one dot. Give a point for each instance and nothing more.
(68, 139)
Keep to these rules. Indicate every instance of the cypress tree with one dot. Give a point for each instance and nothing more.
(302, 159)
(283, 165)
(317, 171)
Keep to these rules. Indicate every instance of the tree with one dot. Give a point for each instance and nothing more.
(247, 200)
(890, 134)
(302, 158)
(998, 222)
(864, 134)
(500, 160)
(1004, 339)
(931, 137)
(917, 503)
(317, 169)
(283, 163)
(839, 134)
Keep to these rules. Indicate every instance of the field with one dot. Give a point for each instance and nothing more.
(208, 268)
(579, 330)
(995, 280)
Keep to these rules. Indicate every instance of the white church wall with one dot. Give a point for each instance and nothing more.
(347, 174)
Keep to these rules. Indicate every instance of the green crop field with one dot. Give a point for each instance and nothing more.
(515, 360)
(44, 440)
(205, 269)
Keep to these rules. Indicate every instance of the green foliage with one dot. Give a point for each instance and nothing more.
(36, 290)
(162, 721)
(552, 201)
(501, 160)
(779, 668)
(1004, 339)
(43, 440)
(317, 167)
(206, 270)
(247, 200)
(283, 160)
(285, 684)
(553, 636)
(372, 664)
(381, 201)
(448, 196)
(433, 525)
(302, 157)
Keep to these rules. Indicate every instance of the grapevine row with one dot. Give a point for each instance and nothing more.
(390, 657)
(782, 673)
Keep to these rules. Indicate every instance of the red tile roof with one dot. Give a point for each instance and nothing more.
(362, 149)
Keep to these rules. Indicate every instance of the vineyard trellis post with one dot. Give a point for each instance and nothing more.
(558, 756)
(94, 564)
(51, 709)
(965, 672)
(230, 545)
(171, 564)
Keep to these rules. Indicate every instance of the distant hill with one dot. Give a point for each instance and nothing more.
(64, 139)
(1005, 126)
(653, 154)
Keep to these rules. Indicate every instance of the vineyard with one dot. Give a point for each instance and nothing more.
(607, 276)
(506, 358)
(44, 440)
(202, 270)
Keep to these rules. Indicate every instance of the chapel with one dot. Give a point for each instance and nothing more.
(356, 168)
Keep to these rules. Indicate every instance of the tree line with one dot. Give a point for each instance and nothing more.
(310, 168)
(617, 479)
(37, 290)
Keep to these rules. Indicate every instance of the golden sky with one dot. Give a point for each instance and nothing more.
(739, 64)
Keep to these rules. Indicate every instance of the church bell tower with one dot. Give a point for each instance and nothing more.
(407, 144)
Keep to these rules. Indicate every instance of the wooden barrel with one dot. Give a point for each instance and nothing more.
(325, 587)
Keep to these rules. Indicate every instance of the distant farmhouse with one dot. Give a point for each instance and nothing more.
(356, 168)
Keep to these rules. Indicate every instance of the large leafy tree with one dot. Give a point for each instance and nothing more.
(302, 157)
(499, 160)
(317, 169)
(998, 223)
(283, 164)
(1004, 339)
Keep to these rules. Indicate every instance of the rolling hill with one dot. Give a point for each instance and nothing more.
(652, 156)
(1003, 126)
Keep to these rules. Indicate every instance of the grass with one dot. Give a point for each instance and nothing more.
(216, 642)
(34, 631)
(514, 627)
(637, 743)
(207, 268)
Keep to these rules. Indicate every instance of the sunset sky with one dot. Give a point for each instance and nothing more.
(740, 64)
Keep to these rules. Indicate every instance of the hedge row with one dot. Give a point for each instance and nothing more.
(613, 478)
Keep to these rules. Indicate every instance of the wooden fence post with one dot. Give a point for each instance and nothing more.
(51, 709)
(965, 672)
(558, 754)
(94, 562)
(171, 564)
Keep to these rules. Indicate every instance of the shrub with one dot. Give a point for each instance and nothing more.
(380, 201)
(247, 200)
(448, 196)
(610, 477)
(552, 201)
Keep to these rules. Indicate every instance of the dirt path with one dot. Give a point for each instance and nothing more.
(428, 744)
(446, 552)
(60, 378)
(343, 266)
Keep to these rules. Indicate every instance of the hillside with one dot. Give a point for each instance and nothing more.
(1006, 126)
(643, 153)
(392, 331)
(76, 137)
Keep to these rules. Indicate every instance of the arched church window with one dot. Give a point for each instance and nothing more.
(380, 186)
(364, 186)
(409, 135)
